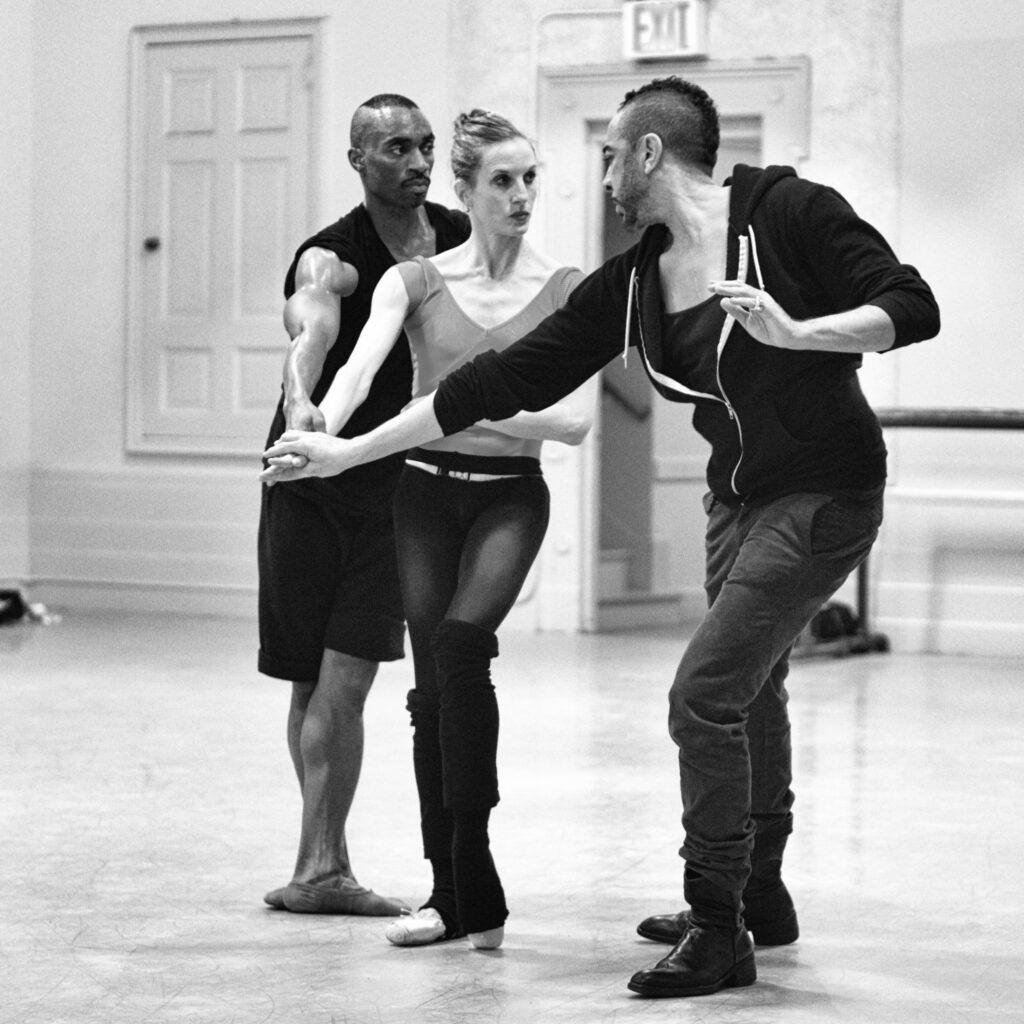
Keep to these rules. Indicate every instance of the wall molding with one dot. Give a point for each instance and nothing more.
(145, 596)
(176, 540)
(947, 574)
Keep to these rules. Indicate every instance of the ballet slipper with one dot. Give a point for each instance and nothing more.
(490, 939)
(350, 898)
(275, 899)
(419, 929)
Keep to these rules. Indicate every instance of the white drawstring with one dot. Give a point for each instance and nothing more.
(744, 255)
(629, 318)
(757, 265)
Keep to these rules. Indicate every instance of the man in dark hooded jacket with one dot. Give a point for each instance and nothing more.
(754, 302)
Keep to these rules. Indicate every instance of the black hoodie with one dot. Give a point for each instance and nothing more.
(790, 421)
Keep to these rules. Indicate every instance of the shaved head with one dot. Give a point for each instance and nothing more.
(680, 113)
(392, 151)
(371, 115)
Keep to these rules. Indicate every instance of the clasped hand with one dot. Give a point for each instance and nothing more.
(297, 454)
(758, 314)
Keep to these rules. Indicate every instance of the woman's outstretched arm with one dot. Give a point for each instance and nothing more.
(303, 453)
(351, 384)
(568, 421)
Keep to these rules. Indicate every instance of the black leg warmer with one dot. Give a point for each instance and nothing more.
(435, 819)
(469, 714)
(469, 748)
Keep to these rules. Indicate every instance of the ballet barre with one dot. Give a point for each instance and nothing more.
(864, 640)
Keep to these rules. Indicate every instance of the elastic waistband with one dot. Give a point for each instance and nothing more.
(485, 466)
(459, 474)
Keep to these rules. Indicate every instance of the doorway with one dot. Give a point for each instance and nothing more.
(640, 439)
(643, 466)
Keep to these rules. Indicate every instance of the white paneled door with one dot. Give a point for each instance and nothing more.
(221, 197)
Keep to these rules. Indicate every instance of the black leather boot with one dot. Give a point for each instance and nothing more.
(770, 916)
(715, 951)
(768, 909)
(769, 912)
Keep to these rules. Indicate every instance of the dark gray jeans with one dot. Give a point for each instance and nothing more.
(770, 568)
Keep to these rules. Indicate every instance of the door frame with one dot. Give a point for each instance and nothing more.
(141, 39)
(570, 100)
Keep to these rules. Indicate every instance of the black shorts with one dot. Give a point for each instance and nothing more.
(328, 579)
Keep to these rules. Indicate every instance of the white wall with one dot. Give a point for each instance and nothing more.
(15, 285)
(949, 571)
(108, 528)
(963, 196)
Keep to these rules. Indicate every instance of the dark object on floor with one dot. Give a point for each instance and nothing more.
(836, 631)
(12, 606)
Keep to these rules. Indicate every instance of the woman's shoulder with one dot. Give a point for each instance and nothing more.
(544, 262)
(542, 268)
(448, 261)
(557, 275)
(419, 278)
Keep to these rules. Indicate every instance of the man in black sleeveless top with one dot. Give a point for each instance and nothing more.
(329, 604)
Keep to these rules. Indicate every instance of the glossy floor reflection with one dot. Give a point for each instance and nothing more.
(147, 802)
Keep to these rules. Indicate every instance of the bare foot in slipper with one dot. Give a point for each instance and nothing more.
(275, 899)
(348, 897)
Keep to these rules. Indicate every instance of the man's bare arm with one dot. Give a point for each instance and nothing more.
(312, 316)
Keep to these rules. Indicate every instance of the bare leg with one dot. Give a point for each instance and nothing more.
(328, 753)
(301, 696)
(325, 739)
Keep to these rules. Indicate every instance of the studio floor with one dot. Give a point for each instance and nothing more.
(147, 802)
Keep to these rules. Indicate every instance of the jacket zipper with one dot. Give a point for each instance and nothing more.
(748, 247)
(674, 385)
(741, 275)
(668, 382)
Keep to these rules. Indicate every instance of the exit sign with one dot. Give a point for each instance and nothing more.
(654, 29)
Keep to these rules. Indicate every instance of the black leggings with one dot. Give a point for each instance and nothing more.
(464, 551)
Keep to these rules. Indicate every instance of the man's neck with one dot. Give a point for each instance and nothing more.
(696, 211)
(406, 231)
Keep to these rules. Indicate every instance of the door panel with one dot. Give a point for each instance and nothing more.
(222, 197)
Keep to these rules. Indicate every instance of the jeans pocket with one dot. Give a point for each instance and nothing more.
(840, 526)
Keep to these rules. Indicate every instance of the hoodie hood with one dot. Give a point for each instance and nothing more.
(750, 185)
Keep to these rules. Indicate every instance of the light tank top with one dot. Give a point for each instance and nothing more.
(442, 337)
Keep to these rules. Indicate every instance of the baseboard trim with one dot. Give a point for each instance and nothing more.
(68, 595)
(948, 636)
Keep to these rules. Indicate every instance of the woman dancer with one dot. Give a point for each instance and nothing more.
(470, 510)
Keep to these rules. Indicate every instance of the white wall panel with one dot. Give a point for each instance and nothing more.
(948, 569)
(157, 539)
(16, 121)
